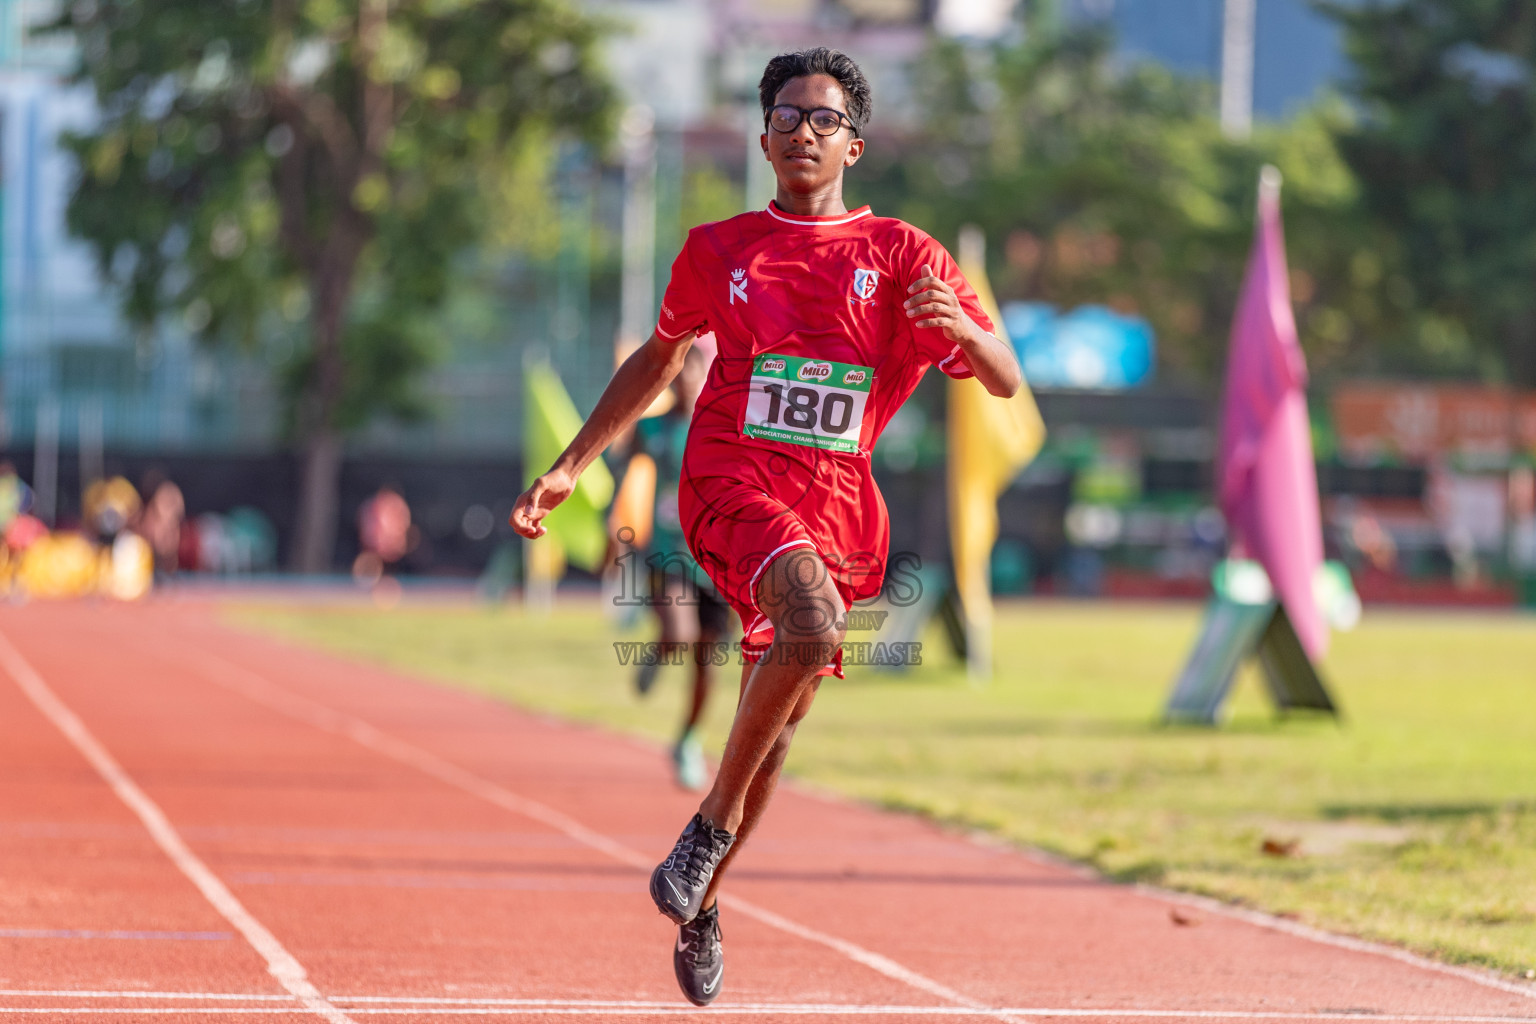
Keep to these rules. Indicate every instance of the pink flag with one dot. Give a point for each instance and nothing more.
(1268, 481)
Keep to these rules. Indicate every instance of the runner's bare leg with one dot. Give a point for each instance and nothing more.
(763, 783)
(801, 600)
(679, 619)
(701, 679)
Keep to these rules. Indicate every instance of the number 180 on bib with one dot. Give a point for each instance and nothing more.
(813, 402)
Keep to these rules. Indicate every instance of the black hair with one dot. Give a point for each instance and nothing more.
(819, 61)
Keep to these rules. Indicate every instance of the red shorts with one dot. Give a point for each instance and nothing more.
(738, 524)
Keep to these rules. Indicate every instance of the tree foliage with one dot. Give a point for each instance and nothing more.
(1101, 181)
(315, 167)
(1446, 149)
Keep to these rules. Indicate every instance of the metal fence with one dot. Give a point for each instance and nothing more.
(104, 396)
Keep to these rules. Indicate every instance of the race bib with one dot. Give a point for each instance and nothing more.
(814, 402)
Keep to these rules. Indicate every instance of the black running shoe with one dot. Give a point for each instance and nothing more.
(678, 883)
(698, 958)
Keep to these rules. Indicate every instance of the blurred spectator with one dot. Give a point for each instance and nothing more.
(15, 496)
(128, 571)
(23, 531)
(211, 553)
(110, 505)
(161, 521)
(252, 538)
(59, 565)
(189, 549)
(384, 527)
(242, 541)
(1373, 541)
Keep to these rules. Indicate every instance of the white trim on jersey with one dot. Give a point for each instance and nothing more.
(818, 222)
(752, 584)
(673, 337)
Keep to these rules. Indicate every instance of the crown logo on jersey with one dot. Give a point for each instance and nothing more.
(738, 285)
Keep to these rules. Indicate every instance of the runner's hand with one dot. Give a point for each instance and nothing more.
(539, 500)
(932, 298)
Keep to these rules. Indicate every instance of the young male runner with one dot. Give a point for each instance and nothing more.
(826, 319)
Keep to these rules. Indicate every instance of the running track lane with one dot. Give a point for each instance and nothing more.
(198, 824)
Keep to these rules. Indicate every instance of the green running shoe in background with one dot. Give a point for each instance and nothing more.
(688, 762)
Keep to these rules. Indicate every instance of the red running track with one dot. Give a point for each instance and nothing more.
(199, 824)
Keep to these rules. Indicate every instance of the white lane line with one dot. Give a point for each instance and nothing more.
(88, 993)
(856, 1009)
(858, 954)
(89, 933)
(838, 1010)
(263, 691)
(488, 1005)
(142, 1010)
(445, 880)
(796, 1010)
(280, 963)
(1296, 928)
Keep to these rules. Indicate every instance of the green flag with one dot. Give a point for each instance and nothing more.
(550, 421)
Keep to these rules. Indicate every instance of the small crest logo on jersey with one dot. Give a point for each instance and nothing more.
(738, 285)
(865, 282)
(815, 371)
(855, 376)
(771, 366)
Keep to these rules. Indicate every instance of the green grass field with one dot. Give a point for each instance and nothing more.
(1416, 817)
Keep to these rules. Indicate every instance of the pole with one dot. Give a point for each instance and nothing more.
(975, 601)
(669, 211)
(92, 445)
(1237, 43)
(638, 287)
(573, 261)
(761, 183)
(1270, 180)
(45, 459)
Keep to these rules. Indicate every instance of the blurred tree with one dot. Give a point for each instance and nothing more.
(1099, 181)
(708, 195)
(1446, 153)
(262, 164)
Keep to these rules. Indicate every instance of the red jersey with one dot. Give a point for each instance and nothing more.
(816, 354)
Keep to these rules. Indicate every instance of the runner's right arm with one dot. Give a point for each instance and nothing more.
(641, 377)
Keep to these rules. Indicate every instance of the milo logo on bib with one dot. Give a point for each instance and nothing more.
(814, 402)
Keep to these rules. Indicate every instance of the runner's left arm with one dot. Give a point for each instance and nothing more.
(641, 377)
(932, 303)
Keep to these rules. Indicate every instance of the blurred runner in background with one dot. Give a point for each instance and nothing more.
(692, 615)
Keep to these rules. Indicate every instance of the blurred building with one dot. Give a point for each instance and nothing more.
(1297, 51)
(73, 371)
(1471, 527)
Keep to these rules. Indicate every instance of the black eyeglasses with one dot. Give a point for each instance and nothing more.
(825, 121)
